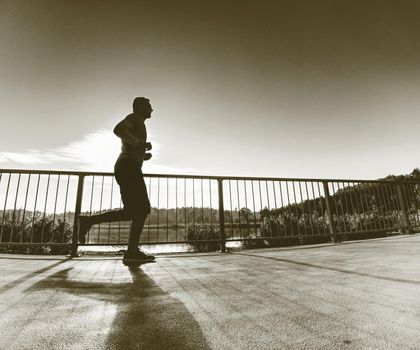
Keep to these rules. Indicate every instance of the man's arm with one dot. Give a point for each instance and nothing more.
(123, 131)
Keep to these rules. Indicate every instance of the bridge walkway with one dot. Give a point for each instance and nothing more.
(354, 295)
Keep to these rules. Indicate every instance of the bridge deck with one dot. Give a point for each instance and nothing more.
(355, 295)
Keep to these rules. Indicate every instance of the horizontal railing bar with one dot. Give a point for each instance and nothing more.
(236, 239)
(194, 241)
(151, 242)
(31, 244)
(204, 177)
(273, 238)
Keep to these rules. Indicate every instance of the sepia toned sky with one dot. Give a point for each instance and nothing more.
(326, 89)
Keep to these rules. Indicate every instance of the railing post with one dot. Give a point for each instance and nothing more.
(401, 200)
(329, 212)
(79, 196)
(221, 216)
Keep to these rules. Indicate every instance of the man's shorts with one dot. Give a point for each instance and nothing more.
(132, 188)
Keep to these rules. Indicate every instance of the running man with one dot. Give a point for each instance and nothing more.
(132, 132)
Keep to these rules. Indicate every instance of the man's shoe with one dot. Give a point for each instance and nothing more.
(137, 258)
(84, 227)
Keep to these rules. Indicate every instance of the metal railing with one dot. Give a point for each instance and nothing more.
(40, 208)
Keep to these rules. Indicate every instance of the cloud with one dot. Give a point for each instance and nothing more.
(29, 158)
(97, 151)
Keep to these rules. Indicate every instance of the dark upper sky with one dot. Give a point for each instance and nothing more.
(294, 88)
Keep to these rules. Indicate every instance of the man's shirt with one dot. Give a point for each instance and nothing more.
(138, 129)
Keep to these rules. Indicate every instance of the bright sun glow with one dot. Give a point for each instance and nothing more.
(97, 151)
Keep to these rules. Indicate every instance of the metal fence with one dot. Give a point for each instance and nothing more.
(40, 208)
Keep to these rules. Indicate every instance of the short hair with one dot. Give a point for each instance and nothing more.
(139, 103)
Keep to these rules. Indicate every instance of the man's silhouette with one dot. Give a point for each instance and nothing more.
(132, 132)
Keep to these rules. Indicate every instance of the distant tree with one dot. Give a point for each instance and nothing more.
(245, 215)
(265, 213)
(415, 174)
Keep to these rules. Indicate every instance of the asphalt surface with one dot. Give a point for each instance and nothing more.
(354, 295)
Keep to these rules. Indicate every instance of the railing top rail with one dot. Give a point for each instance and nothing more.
(205, 177)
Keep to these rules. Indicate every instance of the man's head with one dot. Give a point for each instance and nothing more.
(142, 106)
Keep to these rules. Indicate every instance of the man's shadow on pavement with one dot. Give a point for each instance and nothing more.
(147, 317)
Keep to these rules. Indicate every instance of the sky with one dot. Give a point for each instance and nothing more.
(307, 89)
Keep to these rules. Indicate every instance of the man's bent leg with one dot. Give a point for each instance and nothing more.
(109, 216)
(86, 222)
